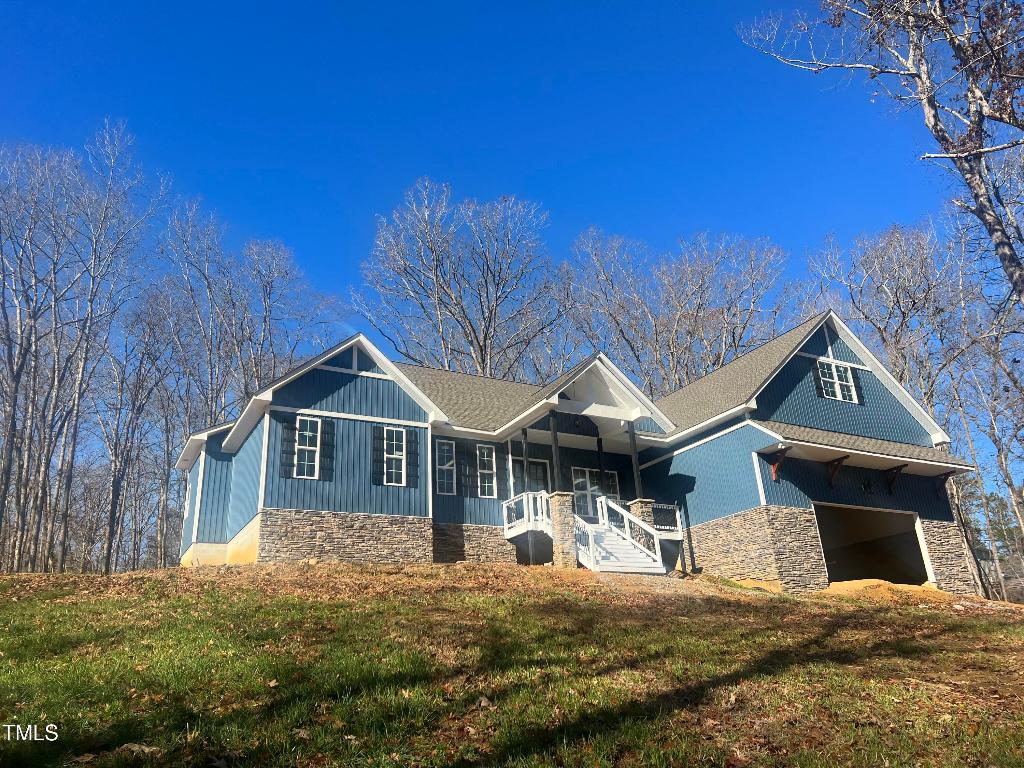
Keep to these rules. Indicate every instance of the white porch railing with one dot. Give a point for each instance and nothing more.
(530, 511)
(632, 528)
(586, 543)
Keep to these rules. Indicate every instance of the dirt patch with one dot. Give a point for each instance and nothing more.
(775, 587)
(881, 591)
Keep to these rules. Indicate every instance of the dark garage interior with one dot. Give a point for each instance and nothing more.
(870, 544)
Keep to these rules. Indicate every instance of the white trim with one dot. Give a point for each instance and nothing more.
(188, 502)
(835, 381)
(263, 464)
(199, 496)
(493, 471)
(453, 467)
(709, 438)
(919, 530)
(354, 372)
(316, 449)
(833, 360)
(349, 416)
(194, 445)
(403, 456)
(757, 476)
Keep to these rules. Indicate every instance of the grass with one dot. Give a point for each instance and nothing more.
(472, 666)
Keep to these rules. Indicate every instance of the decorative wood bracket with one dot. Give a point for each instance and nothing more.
(833, 469)
(892, 474)
(940, 483)
(776, 460)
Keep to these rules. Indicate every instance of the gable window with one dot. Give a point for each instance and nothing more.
(307, 448)
(394, 456)
(485, 472)
(445, 461)
(836, 381)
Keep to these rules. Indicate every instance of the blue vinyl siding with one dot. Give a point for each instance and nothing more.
(366, 363)
(467, 508)
(713, 480)
(341, 393)
(802, 483)
(792, 397)
(351, 489)
(213, 507)
(649, 425)
(341, 360)
(649, 454)
(841, 351)
(190, 514)
(817, 344)
(245, 482)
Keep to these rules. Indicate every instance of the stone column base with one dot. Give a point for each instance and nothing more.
(642, 509)
(563, 533)
(947, 552)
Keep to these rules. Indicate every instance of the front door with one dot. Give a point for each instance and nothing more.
(587, 489)
(537, 478)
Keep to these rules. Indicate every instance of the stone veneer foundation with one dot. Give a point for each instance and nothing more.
(293, 534)
(947, 551)
(454, 543)
(563, 533)
(768, 543)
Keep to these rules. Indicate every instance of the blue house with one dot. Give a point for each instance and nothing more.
(801, 462)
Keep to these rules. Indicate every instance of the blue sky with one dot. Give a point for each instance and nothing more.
(304, 122)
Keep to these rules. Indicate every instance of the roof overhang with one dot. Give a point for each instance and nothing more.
(798, 449)
(194, 445)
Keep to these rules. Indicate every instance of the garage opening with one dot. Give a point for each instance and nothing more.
(870, 544)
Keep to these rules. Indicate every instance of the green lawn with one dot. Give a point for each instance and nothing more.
(472, 666)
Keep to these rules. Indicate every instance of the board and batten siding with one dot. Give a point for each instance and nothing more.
(803, 483)
(245, 482)
(466, 507)
(792, 397)
(351, 488)
(190, 513)
(213, 507)
(341, 393)
(711, 480)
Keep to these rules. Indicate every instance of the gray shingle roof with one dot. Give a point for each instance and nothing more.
(843, 441)
(474, 402)
(735, 382)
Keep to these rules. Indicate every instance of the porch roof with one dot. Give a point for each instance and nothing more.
(819, 445)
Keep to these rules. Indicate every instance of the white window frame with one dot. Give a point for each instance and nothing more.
(833, 380)
(481, 472)
(446, 468)
(316, 449)
(401, 455)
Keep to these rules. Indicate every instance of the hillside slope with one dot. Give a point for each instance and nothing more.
(471, 666)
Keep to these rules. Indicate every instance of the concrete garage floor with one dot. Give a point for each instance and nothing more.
(870, 544)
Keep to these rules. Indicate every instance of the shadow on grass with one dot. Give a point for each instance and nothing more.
(555, 627)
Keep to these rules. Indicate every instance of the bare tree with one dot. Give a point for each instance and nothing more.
(961, 63)
(671, 318)
(463, 286)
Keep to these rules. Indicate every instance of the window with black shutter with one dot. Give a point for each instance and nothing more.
(288, 447)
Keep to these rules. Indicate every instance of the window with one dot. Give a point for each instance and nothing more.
(836, 381)
(587, 490)
(307, 448)
(485, 471)
(394, 456)
(445, 461)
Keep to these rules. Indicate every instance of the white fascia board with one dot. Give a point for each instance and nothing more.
(433, 412)
(655, 413)
(194, 446)
(259, 403)
(937, 433)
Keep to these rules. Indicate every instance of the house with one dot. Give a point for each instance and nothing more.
(800, 462)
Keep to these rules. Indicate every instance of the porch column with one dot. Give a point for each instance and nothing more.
(643, 509)
(556, 467)
(637, 483)
(563, 530)
(600, 465)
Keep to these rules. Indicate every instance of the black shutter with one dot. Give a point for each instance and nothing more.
(501, 471)
(412, 458)
(816, 376)
(377, 456)
(327, 450)
(288, 446)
